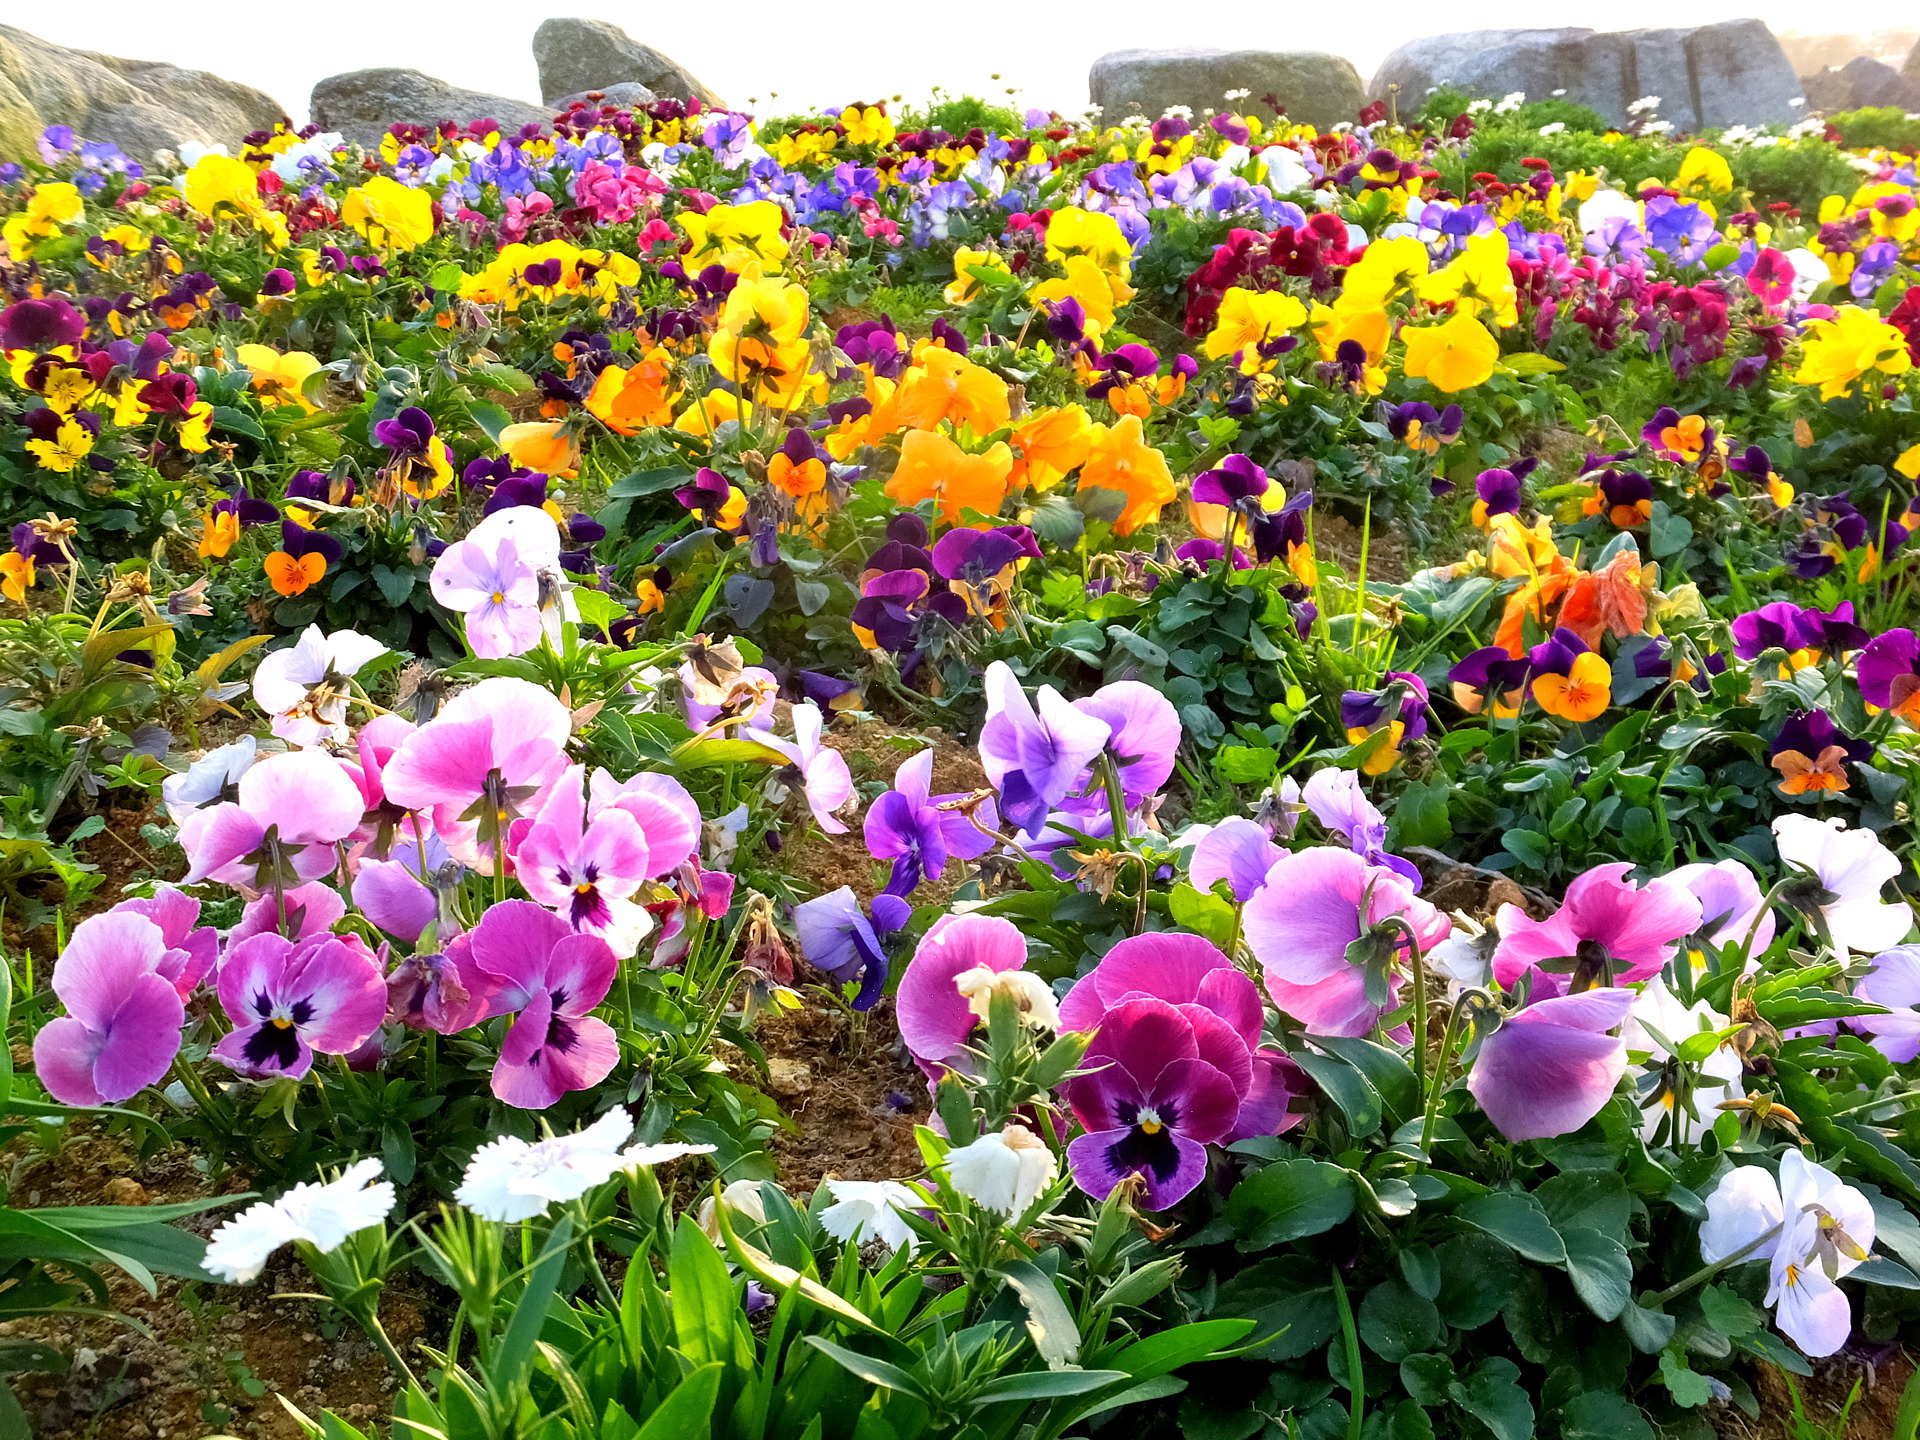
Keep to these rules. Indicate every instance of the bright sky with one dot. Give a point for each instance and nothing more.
(806, 54)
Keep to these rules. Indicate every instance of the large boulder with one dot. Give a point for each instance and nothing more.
(627, 95)
(143, 106)
(1910, 72)
(576, 56)
(1731, 73)
(1810, 54)
(1314, 87)
(362, 104)
(1859, 82)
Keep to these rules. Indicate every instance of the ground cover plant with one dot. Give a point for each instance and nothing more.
(1319, 728)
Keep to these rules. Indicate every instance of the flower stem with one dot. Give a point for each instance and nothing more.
(1707, 1272)
(1439, 1082)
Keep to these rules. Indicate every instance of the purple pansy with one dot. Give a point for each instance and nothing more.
(1547, 1070)
(122, 1026)
(287, 999)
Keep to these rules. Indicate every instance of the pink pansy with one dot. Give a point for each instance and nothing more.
(192, 949)
(817, 768)
(1306, 915)
(1145, 736)
(396, 893)
(668, 817)
(1605, 922)
(485, 578)
(122, 1026)
(1893, 980)
(1238, 852)
(587, 871)
(483, 762)
(1548, 1069)
(373, 746)
(292, 809)
(304, 686)
(697, 892)
(935, 1018)
(1150, 1101)
(299, 913)
(288, 998)
(1221, 1002)
(1731, 902)
(534, 966)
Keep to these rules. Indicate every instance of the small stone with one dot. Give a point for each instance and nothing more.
(787, 1078)
(122, 1190)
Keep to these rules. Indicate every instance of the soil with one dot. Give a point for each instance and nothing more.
(1882, 1377)
(1339, 539)
(176, 1373)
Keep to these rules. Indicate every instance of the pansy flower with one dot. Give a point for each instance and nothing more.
(287, 999)
(1398, 707)
(122, 1026)
(302, 559)
(1499, 492)
(1570, 680)
(1812, 754)
(1624, 497)
(1889, 674)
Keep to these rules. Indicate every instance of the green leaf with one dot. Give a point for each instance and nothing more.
(1649, 1330)
(1492, 1395)
(1049, 1322)
(1290, 1201)
(1358, 1101)
(637, 484)
(491, 418)
(1603, 1415)
(236, 422)
(1426, 1377)
(513, 1358)
(1206, 915)
(598, 610)
(1530, 362)
(1518, 1221)
(1729, 1313)
(1601, 1271)
(1390, 1076)
(1421, 816)
(709, 1326)
(874, 1372)
(688, 1408)
(395, 585)
(1478, 1279)
(1396, 1322)
(1044, 1385)
(1687, 1386)
(1588, 1199)
(1245, 764)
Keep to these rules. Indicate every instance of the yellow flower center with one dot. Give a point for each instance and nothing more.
(280, 1022)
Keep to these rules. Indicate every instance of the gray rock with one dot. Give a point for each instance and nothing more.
(362, 104)
(1860, 82)
(1910, 72)
(1810, 54)
(1316, 88)
(576, 55)
(143, 106)
(627, 95)
(1731, 73)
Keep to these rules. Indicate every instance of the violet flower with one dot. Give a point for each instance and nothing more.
(1237, 851)
(526, 962)
(1144, 736)
(906, 826)
(192, 949)
(287, 999)
(1149, 1104)
(1732, 907)
(819, 770)
(1893, 980)
(1889, 671)
(1548, 1069)
(837, 937)
(1034, 758)
(122, 1026)
(1338, 803)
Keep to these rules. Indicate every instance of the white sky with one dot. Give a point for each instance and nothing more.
(807, 53)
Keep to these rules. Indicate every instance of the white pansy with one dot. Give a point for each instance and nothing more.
(208, 780)
(323, 1215)
(1851, 867)
(1659, 1020)
(866, 1210)
(511, 1179)
(304, 687)
(1604, 205)
(1004, 1171)
(1029, 992)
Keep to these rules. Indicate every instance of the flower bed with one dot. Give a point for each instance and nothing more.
(1282, 758)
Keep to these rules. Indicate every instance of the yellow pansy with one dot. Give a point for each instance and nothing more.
(388, 214)
(1838, 352)
(1476, 278)
(734, 235)
(278, 377)
(965, 287)
(66, 450)
(1452, 357)
(1249, 318)
(1092, 233)
(1704, 169)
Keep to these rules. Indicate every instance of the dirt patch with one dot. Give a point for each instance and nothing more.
(850, 1088)
(1339, 539)
(209, 1358)
(1882, 1376)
